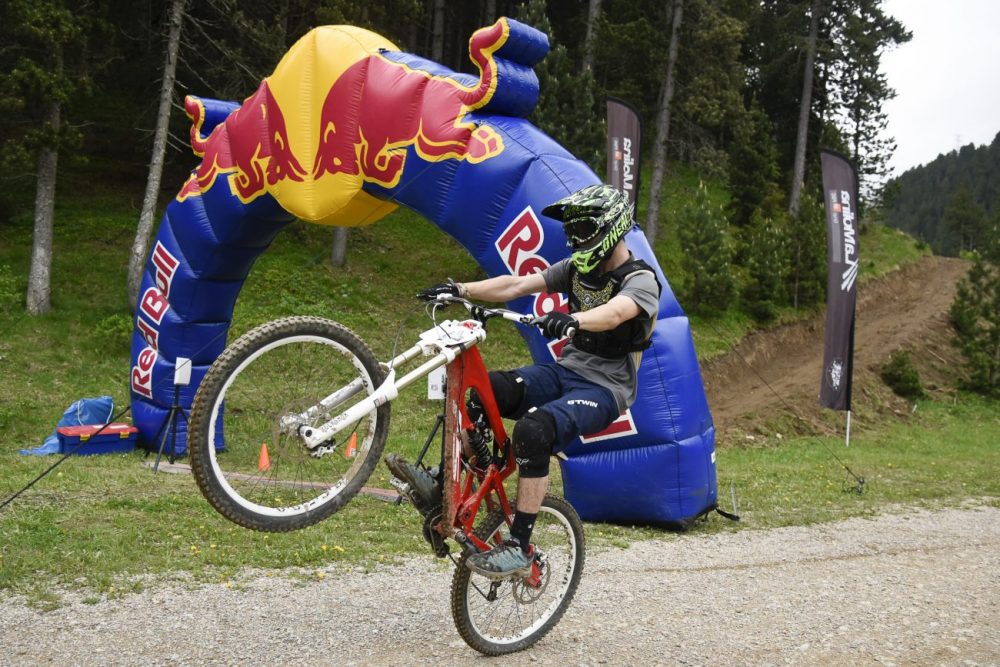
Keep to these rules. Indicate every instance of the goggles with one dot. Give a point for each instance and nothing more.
(582, 230)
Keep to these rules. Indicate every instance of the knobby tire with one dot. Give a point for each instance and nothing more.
(279, 381)
(566, 567)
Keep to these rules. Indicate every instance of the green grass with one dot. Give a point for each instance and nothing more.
(946, 453)
(101, 523)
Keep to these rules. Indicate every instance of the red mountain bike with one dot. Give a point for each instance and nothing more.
(303, 406)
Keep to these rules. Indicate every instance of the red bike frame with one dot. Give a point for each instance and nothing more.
(465, 487)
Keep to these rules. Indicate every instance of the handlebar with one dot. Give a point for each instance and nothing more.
(482, 313)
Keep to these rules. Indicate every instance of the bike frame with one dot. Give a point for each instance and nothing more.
(452, 343)
(465, 488)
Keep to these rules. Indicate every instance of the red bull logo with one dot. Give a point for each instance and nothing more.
(365, 128)
(371, 114)
(153, 305)
(252, 145)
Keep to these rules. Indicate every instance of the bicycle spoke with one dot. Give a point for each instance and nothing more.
(267, 387)
(520, 614)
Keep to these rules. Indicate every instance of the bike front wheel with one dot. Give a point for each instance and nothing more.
(497, 617)
(280, 377)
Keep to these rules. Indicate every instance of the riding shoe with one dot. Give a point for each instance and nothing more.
(424, 491)
(504, 560)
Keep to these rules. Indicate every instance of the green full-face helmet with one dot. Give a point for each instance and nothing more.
(594, 220)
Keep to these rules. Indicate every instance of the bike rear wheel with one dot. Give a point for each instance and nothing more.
(509, 615)
(265, 478)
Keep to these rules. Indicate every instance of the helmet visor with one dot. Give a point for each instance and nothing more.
(581, 230)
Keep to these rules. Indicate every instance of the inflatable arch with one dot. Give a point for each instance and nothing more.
(346, 128)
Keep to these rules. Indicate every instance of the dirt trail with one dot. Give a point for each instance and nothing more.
(907, 309)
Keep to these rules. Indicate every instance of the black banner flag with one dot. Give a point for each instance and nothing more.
(840, 190)
(624, 140)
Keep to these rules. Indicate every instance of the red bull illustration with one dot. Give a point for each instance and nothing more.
(370, 137)
(347, 128)
(361, 130)
(252, 145)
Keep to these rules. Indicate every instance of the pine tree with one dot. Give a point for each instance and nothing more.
(862, 33)
(45, 65)
(767, 266)
(975, 314)
(566, 108)
(710, 85)
(964, 224)
(140, 246)
(807, 254)
(753, 166)
(706, 255)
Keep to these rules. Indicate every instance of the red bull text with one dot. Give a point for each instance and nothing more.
(153, 305)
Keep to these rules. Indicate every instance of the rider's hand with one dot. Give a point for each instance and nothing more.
(555, 325)
(449, 288)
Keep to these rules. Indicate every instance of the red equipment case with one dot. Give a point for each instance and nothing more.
(114, 438)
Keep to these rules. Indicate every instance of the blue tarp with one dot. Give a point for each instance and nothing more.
(86, 411)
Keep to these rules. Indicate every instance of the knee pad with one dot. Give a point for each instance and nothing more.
(508, 390)
(533, 438)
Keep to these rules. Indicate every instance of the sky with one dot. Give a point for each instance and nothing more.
(947, 78)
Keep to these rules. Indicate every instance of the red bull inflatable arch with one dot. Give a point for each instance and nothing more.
(347, 128)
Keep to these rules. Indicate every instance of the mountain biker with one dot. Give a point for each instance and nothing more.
(614, 300)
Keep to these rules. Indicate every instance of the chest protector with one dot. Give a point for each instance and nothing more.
(590, 292)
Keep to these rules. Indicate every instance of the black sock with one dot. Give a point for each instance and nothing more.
(521, 529)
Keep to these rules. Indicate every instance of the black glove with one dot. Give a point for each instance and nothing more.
(556, 325)
(449, 288)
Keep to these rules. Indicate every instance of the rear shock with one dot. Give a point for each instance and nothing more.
(480, 438)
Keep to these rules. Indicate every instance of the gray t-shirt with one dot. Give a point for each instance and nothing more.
(617, 375)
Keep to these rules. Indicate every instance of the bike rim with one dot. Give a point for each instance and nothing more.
(307, 484)
(520, 611)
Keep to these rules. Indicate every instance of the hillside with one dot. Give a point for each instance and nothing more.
(917, 200)
(770, 381)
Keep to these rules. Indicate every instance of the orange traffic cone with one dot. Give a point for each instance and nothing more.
(264, 463)
(352, 446)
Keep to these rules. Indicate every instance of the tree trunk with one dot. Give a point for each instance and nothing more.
(338, 256)
(663, 127)
(491, 12)
(437, 35)
(593, 14)
(40, 274)
(140, 247)
(805, 105)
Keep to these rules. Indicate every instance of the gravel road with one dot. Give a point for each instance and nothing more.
(911, 588)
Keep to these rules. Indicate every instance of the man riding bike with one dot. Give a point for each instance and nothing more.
(613, 304)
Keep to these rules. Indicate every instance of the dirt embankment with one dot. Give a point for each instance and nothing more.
(770, 382)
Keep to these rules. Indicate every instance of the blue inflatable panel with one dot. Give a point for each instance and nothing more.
(193, 277)
(149, 418)
(670, 483)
